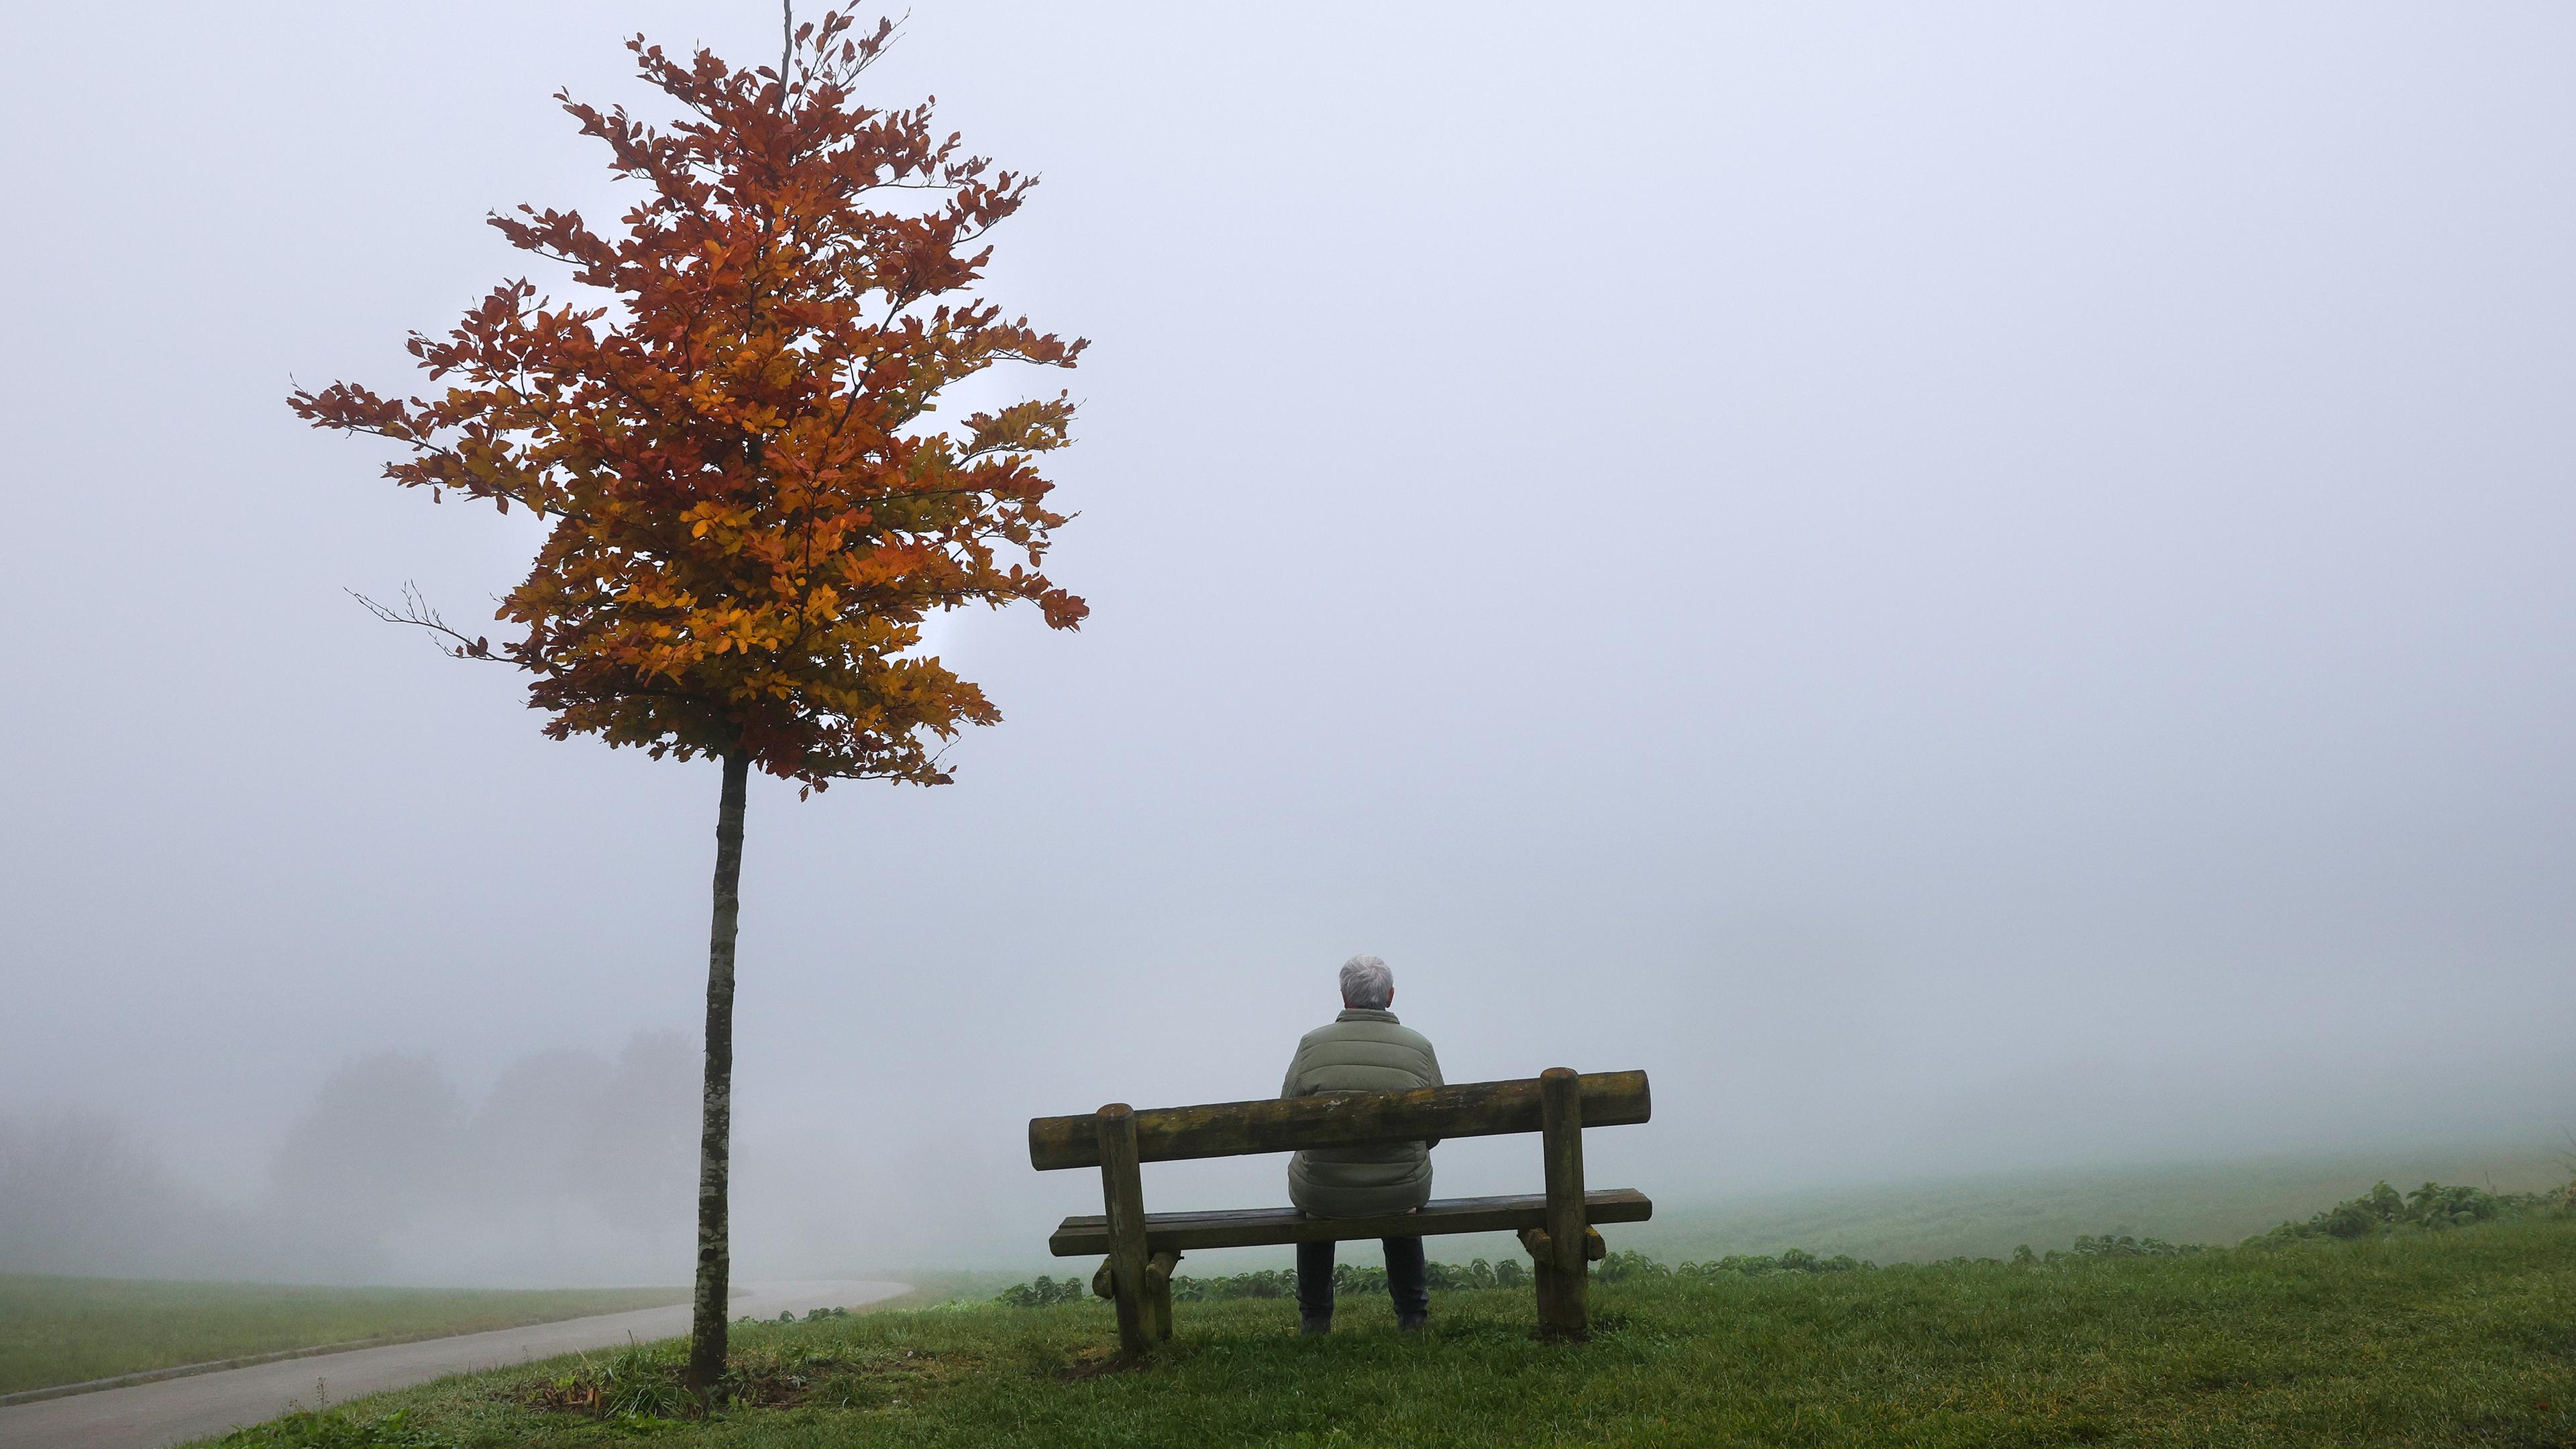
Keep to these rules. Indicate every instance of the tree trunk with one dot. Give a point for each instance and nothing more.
(715, 1134)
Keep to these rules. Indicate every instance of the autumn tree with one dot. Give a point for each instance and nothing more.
(748, 508)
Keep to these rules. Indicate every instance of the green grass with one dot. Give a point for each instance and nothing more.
(2458, 1337)
(67, 1330)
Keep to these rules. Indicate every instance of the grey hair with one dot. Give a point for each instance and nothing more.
(1367, 983)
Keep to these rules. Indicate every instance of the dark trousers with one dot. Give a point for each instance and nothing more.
(1408, 1282)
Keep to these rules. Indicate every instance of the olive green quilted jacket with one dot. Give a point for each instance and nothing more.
(1361, 1051)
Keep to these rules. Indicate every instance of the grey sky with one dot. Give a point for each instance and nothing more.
(1967, 585)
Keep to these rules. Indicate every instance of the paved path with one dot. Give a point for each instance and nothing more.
(148, 1416)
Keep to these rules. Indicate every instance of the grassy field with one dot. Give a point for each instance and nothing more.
(2457, 1337)
(66, 1330)
(1987, 1216)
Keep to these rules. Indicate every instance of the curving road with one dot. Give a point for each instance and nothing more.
(172, 1411)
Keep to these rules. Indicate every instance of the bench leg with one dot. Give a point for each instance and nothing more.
(1561, 1269)
(1122, 1195)
(1158, 1291)
(1551, 1309)
(1158, 1294)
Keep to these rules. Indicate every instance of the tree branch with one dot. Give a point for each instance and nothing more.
(417, 613)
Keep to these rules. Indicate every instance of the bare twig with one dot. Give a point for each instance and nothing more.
(417, 613)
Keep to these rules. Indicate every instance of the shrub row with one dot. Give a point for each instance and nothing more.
(1348, 1278)
(2429, 1208)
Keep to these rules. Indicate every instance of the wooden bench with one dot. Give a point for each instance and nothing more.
(1556, 1227)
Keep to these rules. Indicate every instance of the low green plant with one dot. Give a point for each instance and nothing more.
(645, 1383)
(2429, 1208)
(788, 1315)
(1261, 1283)
(336, 1429)
(1047, 1292)
(1348, 1279)
(1455, 1277)
(2125, 1246)
(638, 1382)
(1628, 1264)
(1754, 1265)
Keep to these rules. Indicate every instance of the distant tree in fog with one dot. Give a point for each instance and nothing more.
(73, 1190)
(570, 1165)
(79, 1194)
(630, 1157)
(575, 1167)
(379, 1141)
(575, 1128)
(750, 514)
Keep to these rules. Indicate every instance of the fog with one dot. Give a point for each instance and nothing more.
(574, 1167)
(1971, 586)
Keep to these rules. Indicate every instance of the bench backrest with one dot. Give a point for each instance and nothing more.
(1340, 1119)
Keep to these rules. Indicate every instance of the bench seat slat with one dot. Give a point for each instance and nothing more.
(1253, 1227)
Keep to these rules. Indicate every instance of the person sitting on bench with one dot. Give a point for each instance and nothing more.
(1365, 1049)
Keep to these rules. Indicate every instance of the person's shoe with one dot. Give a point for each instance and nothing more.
(1307, 1324)
(1414, 1324)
